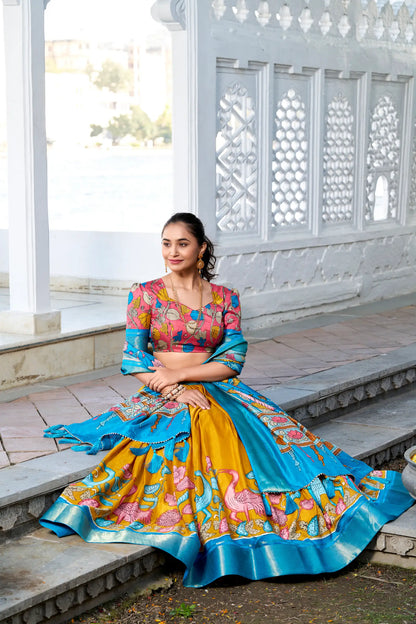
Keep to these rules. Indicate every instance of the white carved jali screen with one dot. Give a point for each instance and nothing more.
(309, 109)
(329, 91)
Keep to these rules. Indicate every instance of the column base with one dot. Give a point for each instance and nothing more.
(12, 322)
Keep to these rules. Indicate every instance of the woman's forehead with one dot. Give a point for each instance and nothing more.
(177, 231)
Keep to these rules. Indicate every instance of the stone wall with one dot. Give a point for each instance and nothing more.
(295, 143)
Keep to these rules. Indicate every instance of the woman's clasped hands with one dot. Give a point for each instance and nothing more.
(163, 377)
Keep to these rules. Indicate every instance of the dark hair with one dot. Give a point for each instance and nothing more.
(196, 228)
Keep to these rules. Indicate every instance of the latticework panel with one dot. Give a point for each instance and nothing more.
(383, 161)
(338, 165)
(236, 149)
(290, 152)
(412, 195)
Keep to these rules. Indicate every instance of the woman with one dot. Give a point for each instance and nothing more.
(204, 467)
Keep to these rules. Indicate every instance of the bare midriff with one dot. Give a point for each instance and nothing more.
(175, 360)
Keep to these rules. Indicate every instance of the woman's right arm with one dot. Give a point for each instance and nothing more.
(137, 359)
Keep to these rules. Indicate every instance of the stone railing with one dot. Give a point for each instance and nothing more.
(390, 21)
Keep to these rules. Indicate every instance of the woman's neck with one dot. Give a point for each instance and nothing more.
(185, 280)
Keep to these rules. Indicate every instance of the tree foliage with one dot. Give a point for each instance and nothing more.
(163, 125)
(137, 124)
(96, 130)
(113, 77)
(141, 124)
(119, 127)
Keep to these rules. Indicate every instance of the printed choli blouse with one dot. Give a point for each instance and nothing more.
(153, 316)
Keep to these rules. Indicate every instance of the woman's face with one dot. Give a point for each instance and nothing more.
(180, 248)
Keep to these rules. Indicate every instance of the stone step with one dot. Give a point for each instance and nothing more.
(28, 489)
(47, 579)
(44, 578)
(30, 360)
(377, 432)
(395, 544)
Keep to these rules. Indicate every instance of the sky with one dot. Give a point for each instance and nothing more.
(106, 20)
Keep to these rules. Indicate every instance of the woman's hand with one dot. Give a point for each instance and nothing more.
(195, 398)
(162, 377)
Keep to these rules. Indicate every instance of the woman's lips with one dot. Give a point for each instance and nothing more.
(175, 261)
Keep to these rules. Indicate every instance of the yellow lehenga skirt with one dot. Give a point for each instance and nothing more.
(240, 488)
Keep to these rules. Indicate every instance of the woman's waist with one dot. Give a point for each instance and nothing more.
(179, 359)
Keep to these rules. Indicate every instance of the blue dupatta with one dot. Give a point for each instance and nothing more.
(146, 416)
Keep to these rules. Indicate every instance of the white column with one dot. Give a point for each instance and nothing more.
(30, 310)
(193, 110)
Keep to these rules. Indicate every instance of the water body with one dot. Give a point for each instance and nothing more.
(109, 190)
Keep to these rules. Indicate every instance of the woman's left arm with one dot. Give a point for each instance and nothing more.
(211, 371)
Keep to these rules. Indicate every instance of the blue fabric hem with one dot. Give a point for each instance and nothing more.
(254, 558)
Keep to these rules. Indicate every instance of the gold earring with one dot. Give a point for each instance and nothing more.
(166, 267)
(200, 264)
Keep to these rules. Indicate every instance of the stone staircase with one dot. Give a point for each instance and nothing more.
(91, 337)
(47, 579)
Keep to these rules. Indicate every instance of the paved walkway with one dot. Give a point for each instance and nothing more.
(276, 357)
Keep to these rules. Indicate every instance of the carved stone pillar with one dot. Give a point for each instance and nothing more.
(30, 311)
(193, 109)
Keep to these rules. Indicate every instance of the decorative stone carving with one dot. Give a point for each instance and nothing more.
(50, 609)
(401, 545)
(343, 399)
(305, 19)
(36, 506)
(290, 175)
(394, 30)
(341, 262)
(9, 516)
(124, 573)
(383, 161)
(378, 28)
(412, 197)
(65, 601)
(368, 19)
(380, 542)
(362, 26)
(386, 384)
(219, 7)
(339, 152)
(344, 26)
(296, 267)
(411, 375)
(325, 22)
(236, 162)
(172, 13)
(285, 17)
(241, 11)
(96, 587)
(263, 14)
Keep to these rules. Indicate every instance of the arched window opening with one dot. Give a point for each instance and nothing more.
(381, 201)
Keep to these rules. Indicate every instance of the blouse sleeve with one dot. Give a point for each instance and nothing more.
(233, 348)
(136, 355)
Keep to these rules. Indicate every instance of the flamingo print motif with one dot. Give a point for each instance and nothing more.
(242, 501)
(203, 501)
